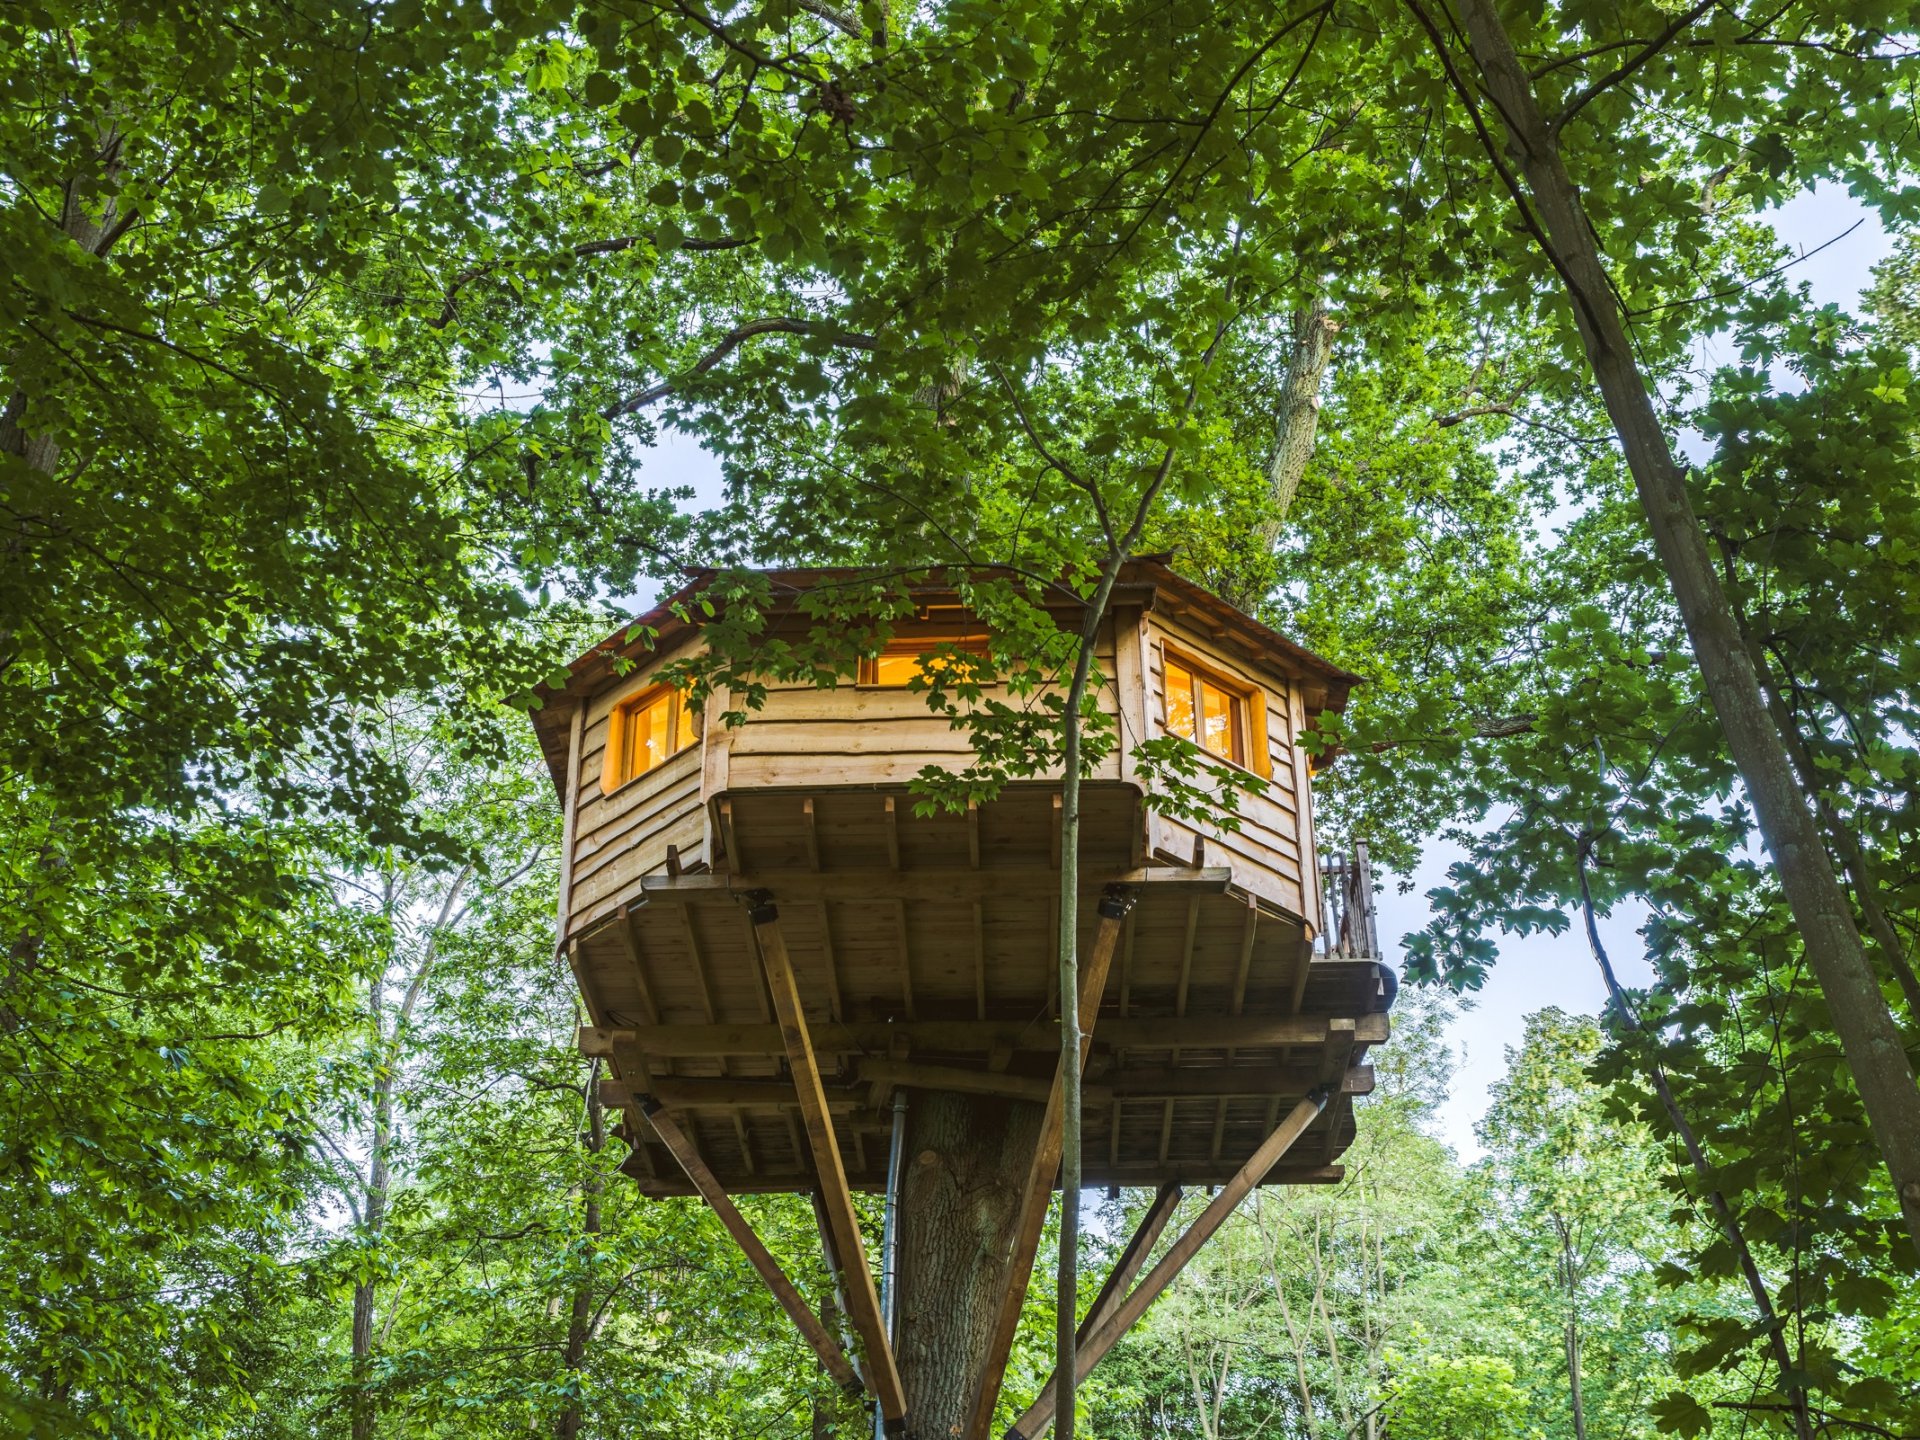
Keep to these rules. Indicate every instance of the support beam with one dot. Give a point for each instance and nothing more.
(809, 1326)
(1185, 1082)
(1127, 1313)
(1032, 1214)
(980, 1037)
(876, 883)
(863, 1301)
(1120, 1279)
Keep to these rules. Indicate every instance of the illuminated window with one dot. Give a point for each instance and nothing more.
(900, 661)
(644, 731)
(1207, 711)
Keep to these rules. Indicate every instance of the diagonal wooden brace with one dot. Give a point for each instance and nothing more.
(856, 1278)
(1034, 1199)
(1122, 1317)
(823, 1344)
(1120, 1279)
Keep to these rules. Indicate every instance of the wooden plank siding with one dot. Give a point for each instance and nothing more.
(810, 741)
(806, 738)
(1271, 853)
(620, 836)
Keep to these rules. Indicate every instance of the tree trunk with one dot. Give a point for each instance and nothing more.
(1297, 418)
(1868, 1035)
(580, 1321)
(966, 1159)
(1574, 1393)
(373, 1219)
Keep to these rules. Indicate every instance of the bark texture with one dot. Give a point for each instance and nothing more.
(1297, 418)
(1868, 1035)
(960, 1191)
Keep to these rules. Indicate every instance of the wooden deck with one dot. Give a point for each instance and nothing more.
(923, 954)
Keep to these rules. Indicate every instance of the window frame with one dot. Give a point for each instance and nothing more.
(614, 760)
(913, 647)
(1247, 709)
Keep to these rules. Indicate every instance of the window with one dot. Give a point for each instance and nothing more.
(1217, 715)
(900, 661)
(645, 731)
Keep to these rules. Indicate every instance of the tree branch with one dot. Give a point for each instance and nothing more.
(731, 341)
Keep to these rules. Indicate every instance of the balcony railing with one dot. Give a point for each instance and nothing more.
(1347, 930)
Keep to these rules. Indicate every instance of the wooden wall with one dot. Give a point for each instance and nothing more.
(806, 739)
(1271, 854)
(615, 839)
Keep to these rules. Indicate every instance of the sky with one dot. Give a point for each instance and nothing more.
(1538, 971)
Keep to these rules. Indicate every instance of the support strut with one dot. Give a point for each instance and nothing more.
(1127, 1313)
(863, 1302)
(804, 1320)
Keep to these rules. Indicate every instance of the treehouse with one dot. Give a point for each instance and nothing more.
(797, 980)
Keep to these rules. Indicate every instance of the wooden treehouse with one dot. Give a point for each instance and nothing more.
(799, 984)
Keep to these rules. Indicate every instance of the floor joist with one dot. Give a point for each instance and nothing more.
(862, 1300)
(1123, 1316)
(1032, 1214)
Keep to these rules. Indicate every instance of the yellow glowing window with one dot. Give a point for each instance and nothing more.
(900, 661)
(1209, 711)
(644, 731)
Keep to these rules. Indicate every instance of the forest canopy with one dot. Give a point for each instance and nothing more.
(338, 343)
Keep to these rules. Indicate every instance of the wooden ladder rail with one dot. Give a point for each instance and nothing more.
(1038, 1193)
(1127, 1313)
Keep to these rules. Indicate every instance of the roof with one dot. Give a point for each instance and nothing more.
(1146, 579)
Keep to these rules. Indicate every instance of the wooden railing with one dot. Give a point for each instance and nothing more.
(1348, 930)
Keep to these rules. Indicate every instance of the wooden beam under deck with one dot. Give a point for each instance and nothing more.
(942, 884)
(863, 1301)
(1120, 1279)
(1145, 1176)
(980, 1037)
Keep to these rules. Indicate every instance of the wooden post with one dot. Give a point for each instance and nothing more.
(1127, 1313)
(1120, 1279)
(1040, 1174)
(863, 1301)
(704, 1180)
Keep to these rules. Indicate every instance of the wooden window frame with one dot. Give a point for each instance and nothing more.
(614, 759)
(1249, 712)
(914, 646)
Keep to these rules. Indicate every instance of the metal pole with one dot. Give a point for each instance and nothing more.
(890, 1239)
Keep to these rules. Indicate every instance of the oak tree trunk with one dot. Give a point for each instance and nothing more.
(966, 1158)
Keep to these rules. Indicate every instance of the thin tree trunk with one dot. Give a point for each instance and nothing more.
(1067, 1270)
(373, 1218)
(1868, 1035)
(580, 1320)
(1573, 1381)
(1723, 1212)
(1570, 1329)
